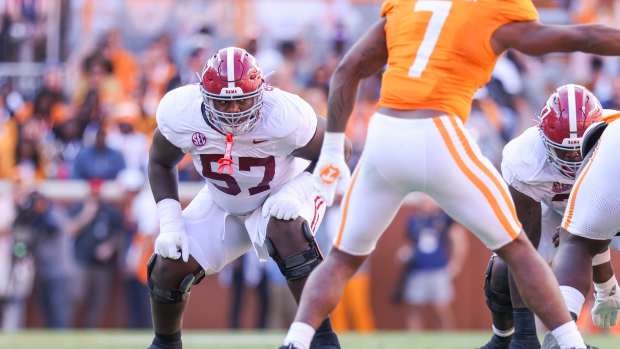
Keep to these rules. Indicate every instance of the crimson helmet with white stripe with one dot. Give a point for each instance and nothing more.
(232, 74)
(566, 115)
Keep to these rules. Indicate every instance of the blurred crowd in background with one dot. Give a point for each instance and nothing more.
(80, 81)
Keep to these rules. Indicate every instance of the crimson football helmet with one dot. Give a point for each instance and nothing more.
(566, 115)
(232, 75)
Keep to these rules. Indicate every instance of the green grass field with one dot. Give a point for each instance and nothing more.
(253, 340)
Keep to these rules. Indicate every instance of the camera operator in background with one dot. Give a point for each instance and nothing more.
(39, 222)
(35, 242)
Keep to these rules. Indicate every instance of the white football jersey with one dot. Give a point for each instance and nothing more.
(525, 167)
(262, 159)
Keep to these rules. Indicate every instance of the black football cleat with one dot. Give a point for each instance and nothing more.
(157, 345)
(325, 340)
(290, 346)
(497, 342)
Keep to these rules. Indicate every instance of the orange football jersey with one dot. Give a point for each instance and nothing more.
(439, 51)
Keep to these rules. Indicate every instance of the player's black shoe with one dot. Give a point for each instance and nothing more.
(168, 346)
(497, 342)
(159, 345)
(325, 340)
(156, 346)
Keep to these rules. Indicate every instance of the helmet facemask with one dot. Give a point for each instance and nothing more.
(565, 158)
(237, 123)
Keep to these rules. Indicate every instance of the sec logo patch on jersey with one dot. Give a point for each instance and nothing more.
(199, 139)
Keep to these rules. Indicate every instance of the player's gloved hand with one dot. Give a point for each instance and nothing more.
(605, 308)
(288, 201)
(331, 171)
(172, 240)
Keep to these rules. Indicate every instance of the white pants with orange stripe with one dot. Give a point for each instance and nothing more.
(593, 209)
(436, 156)
(217, 237)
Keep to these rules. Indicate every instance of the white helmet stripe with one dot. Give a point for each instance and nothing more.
(572, 111)
(230, 66)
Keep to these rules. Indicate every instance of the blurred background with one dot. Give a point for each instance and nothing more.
(80, 81)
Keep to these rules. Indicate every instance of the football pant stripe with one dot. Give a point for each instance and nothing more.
(466, 143)
(611, 118)
(345, 207)
(477, 182)
(572, 199)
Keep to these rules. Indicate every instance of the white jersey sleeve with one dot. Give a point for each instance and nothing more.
(523, 160)
(525, 168)
(294, 120)
(175, 114)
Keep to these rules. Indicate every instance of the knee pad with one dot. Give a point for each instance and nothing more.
(168, 295)
(297, 265)
(496, 289)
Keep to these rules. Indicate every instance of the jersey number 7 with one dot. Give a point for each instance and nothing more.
(440, 11)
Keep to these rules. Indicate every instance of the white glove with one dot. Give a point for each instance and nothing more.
(288, 201)
(605, 309)
(172, 239)
(331, 172)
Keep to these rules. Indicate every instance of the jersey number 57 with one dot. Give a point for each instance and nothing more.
(245, 164)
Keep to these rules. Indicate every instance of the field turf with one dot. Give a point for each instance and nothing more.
(253, 340)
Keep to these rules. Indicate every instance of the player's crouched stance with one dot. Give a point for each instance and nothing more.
(591, 220)
(253, 144)
(540, 167)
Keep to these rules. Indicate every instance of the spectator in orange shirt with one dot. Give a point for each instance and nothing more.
(124, 66)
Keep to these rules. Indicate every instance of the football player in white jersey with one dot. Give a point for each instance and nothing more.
(254, 145)
(540, 167)
(591, 221)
